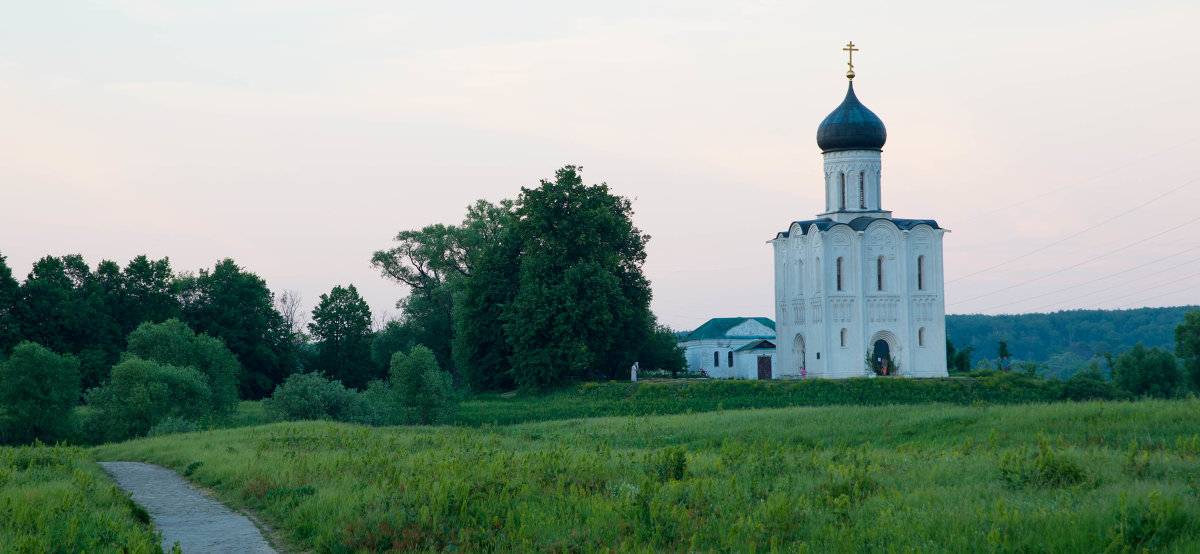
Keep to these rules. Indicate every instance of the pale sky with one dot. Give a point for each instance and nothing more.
(1057, 140)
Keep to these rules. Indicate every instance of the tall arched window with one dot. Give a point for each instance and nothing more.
(920, 272)
(921, 337)
(842, 193)
(839, 274)
(716, 359)
(862, 190)
(819, 282)
(730, 358)
(843, 338)
(879, 273)
(800, 277)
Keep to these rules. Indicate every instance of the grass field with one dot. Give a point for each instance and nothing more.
(1064, 477)
(56, 499)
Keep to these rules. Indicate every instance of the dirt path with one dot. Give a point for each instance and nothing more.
(197, 522)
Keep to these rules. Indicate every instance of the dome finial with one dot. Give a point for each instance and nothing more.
(851, 49)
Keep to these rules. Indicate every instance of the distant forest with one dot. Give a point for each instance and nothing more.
(1065, 342)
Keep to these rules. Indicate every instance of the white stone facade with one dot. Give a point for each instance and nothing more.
(723, 347)
(856, 276)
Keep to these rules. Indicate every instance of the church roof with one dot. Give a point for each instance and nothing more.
(851, 126)
(760, 344)
(858, 224)
(717, 327)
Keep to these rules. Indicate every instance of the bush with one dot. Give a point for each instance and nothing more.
(423, 390)
(311, 396)
(38, 390)
(142, 393)
(1148, 372)
(173, 343)
(1083, 386)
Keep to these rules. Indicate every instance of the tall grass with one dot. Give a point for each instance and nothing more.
(1065, 477)
(677, 397)
(56, 499)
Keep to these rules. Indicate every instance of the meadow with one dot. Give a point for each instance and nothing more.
(56, 499)
(1061, 477)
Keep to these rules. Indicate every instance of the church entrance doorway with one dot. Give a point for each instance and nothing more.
(798, 356)
(764, 367)
(881, 354)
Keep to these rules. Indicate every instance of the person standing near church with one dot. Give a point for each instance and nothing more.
(633, 372)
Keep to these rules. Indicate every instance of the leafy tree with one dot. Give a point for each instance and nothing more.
(10, 292)
(962, 359)
(433, 262)
(1147, 372)
(146, 294)
(423, 390)
(1187, 346)
(662, 351)
(142, 393)
(237, 307)
(341, 326)
(480, 346)
(1003, 354)
(394, 337)
(38, 390)
(173, 343)
(63, 307)
(581, 309)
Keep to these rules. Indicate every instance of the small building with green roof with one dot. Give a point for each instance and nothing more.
(732, 348)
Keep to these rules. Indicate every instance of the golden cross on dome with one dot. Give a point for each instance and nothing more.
(851, 49)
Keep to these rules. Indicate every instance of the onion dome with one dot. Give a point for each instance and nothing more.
(851, 127)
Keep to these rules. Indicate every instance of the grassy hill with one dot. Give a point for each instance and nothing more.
(1065, 477)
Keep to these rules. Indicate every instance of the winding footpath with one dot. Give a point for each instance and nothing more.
(184, 515)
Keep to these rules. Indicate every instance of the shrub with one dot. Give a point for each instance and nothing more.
(1083, 386)
(38, 390)
(1047, 468)
(173, 343)
(423, 390)
(309, 396)
(141, 393)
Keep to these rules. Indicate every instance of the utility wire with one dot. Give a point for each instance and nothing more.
(1097, 280)
(1087, 261)
(1076, 234)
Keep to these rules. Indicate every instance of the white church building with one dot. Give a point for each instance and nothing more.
(856, 284)
(732, 348)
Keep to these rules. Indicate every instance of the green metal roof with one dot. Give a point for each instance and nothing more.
(716, 328)
(761, 344)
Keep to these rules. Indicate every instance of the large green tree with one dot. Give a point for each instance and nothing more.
(481, 348)
(1150, 372)
(236, 306)
(1187, 346)
(10, 292)
(63, 307)
(341, 327)
(435, 262)
(582, 306)
(38, 390)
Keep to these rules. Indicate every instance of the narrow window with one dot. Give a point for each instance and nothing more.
(843, 338)
(862, 190)
(716, 359)
(800, 277)
(879, 273)
(730, 358)
(921, 336)
(839, 274)
(842, 190)
(920, 272)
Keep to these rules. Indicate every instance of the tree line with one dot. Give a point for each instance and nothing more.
(1140, 371)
